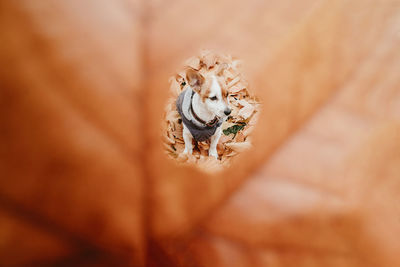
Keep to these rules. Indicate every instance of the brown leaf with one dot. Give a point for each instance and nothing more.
(193, 62)
(85, 179)
(239, 146)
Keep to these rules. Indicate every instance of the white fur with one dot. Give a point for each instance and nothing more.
(207, 111)
(216, 107)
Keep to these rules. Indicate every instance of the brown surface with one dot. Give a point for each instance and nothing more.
(64, 155)
(18, 235)
(83, 177)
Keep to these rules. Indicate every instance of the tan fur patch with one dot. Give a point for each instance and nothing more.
(205, 94)
(224, 93)
(205, 90)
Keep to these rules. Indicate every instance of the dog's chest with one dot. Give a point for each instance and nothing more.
(199, 133)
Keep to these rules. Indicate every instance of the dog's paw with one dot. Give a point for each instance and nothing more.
(187, 151)
(213, 153)
(182, 157)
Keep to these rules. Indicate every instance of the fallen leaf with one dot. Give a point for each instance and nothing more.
(246, 111)
(239, 146)
(193, 62)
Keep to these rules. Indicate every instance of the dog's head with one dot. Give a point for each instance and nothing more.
(213, 95)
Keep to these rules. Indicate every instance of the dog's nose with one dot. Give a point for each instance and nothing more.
(227, 111)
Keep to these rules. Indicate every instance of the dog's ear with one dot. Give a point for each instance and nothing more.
(194, 79)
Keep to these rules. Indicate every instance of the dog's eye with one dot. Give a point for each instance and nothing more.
(213, 98)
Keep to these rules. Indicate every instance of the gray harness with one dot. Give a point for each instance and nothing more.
(199, 131)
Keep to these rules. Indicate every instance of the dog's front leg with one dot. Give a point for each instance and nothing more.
(214, 142)
(187, 137)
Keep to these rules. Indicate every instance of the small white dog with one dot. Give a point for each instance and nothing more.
(203, 106)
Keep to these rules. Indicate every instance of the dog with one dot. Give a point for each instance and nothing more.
(203, 107)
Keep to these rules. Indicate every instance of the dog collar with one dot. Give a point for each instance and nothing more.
(210, 123)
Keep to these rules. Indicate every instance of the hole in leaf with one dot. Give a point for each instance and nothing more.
(236, 128)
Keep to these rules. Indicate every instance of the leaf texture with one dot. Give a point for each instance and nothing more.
(84, 179)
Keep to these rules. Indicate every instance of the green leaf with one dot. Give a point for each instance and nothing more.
(234, 129)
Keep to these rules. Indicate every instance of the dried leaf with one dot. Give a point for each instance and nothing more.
(226, 125)
(193, 62)
(237, 88)
(224, 139)
(239, 146)
(175, 86)
(248, 130)
(172, 116)
(229, 74)
(240, 137)
(209, 59)
(246, 111)
(233, 82)
(168, 139)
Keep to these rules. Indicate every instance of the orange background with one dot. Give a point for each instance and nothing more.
(84, 179)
